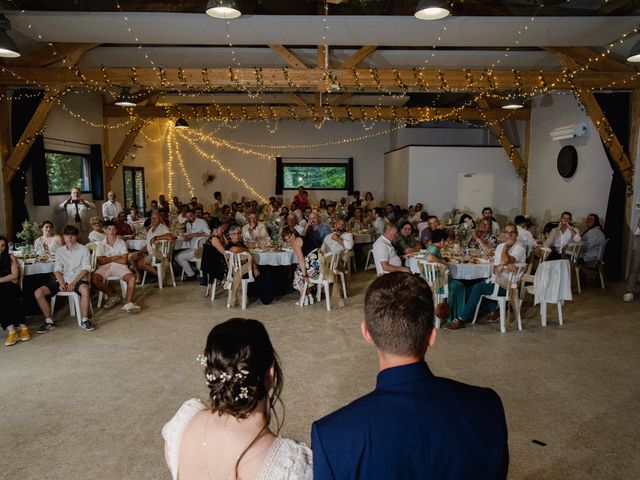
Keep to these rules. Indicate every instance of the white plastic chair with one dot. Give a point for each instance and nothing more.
(123, 288)
(430, 272)
(323, 282)
(165, 248)
(546, 278)
(346, 255)
(370, 260)
(541, 254)
(571, 252)
(198, 242)
(514, 279)
(236, 263)
(597, 267)
(213, 286)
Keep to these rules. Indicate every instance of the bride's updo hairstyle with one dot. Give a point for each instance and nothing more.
(237, 360)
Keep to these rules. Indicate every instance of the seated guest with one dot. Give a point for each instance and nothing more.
(315, 230)
(292, 222)
(237, 245)
(112, 259)
(162, 203)
(12, 318)
(422, 224)
(283, 212)
(524, 235)
(416, 217)
(182, 216)
(358, 222)
(384, 253)
(157, 231)
(123, 228)
(239, 217)
(225, 214)
(198, 211)
(213, 222)
(592, 240)
(307, 266)
(195, 227)
(332, 217)
(562, 235)
(369, 202)
(339, 240)
(175, 205)
(487, 213)
(507, 253)
(406, 242)
(357, 201)
(391, 216)
(244, 382)
(399, 431)
(634, 265)
(342, 207)
(217, 203)
(467, 220)
(111, 208)
(195, 203)
(255, 232)
(154, 207)
(456, 288)
(73, 263)
(432, 225)
(49, 242)
(322, 210)
(402, 216)
(482, 238)
(133, 215)
(304, 220)
(380, 220)
(214, 263)
(96, 234)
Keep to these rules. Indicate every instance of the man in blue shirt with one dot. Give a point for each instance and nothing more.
(315, 230)
(414, 425)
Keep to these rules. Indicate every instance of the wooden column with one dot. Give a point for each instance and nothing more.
(527, 150)
(5, 149)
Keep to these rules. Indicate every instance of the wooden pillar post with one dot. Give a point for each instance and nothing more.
(5, 151)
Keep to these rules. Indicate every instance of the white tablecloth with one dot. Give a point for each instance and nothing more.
(459, 271)
(275, 259)
(38, 268)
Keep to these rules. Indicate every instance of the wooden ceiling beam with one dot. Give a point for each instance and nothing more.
(313, 79)
(597, 61)
(296, 98)
(51, 54)
(254, 112)
(288, 56)
(33, 128)
(342, 99)
(359, 56)
(498, 131)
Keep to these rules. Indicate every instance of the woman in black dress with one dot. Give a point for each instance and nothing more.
(307, 255)
(12, 317)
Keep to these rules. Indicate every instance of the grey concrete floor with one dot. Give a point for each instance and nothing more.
(78, 405)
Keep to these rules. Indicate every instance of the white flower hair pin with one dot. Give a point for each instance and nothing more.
(202, 360)
(244, 393)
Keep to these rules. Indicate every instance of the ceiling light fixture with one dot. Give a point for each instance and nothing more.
(8, 47)
(634, 54)
(224, 9)
(182, 123)
(432, 10)
(124, 100)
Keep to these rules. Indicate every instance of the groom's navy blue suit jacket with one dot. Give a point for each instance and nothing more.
(413, 426)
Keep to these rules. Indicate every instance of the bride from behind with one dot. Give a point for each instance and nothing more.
(228, 437)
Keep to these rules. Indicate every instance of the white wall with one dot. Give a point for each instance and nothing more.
(440, 136)
(259, 173)
(548, 194)
(396, 177)
(433, 178)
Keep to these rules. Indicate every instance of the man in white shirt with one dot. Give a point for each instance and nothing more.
(240, 218)
(339, 240)
(293, 223)
(254, 231)
(196, 227)
(77, 212)
(182, 217)
(73, 263)
(111, 208)
(157, 231)
(384, 253)
(507, 253)
(560, 236)
(524, 235)
(417, 214)
(487, 213)
(112, 258)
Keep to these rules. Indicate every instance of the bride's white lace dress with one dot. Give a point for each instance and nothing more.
(286, 459)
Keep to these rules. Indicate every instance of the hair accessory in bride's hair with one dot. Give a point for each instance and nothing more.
(202, 360)
(223, 377)
(244, 393)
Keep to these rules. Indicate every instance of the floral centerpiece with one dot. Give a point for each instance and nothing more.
(30, 231)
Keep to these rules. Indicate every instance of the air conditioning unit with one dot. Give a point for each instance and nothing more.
(569, 131)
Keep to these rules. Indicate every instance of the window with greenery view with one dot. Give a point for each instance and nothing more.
(66, 171)
(315, 176)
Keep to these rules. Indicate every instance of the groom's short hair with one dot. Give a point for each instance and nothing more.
(398, 311)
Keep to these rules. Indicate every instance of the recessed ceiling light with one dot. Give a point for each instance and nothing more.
(432, 10)
(224, 9)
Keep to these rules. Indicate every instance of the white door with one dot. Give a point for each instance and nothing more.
(475, 191)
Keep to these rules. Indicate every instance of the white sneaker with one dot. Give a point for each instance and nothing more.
(112, 301)
(131, 308)
(628, 297)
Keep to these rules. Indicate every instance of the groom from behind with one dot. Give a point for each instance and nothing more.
(413, 425)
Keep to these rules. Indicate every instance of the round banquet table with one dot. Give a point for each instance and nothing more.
(459, 271)
(274, 259)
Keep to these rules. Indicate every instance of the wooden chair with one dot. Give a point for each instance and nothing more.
(323, 282)
(197, 245)
(213, 286)
(597, 267)
(237, 263)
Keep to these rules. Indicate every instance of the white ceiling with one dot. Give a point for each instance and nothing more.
(199, 29)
